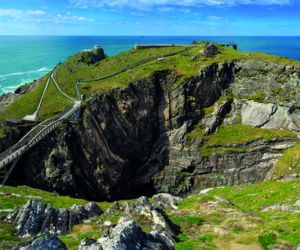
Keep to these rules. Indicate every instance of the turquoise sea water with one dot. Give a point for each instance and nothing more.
(25, 58)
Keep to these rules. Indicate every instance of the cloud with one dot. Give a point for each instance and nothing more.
(20, 14)
(214, 18)
(38, 16)
(71, 18)
(140, 4)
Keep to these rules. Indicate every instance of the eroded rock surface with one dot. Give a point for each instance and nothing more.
(43, 243)
(36, 217)
(135, 141)
(128, 234)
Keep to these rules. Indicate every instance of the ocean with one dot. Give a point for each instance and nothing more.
(25, 58)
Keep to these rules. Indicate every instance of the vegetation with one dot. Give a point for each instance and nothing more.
(8, 237)
(258, 97)
(241, 134)
(267, 240)
(80, 232)
(232, 138)
(223, 218)
(288, 164)
(234, 217)
(14, 197)
(75, 68)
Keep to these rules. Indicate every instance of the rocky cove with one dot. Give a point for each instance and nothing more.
(228, 123)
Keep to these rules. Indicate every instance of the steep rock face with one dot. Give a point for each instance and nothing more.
(133, 141)
(270, 115)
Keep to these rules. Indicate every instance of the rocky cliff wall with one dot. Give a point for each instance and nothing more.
(135, 141)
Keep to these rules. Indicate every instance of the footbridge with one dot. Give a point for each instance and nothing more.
(9, 157)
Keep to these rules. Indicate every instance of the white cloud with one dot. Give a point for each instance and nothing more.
(19, 14)
(70, 18)
(214, 18)
(38, 16)
(140, 4)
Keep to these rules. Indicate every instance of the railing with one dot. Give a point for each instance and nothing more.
(132, 66)
(34, 136)
(41, 130)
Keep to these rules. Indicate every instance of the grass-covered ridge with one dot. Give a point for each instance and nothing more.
(240, 220)
(288, 164)
(73, 69)
(232, 138)
(223, 218)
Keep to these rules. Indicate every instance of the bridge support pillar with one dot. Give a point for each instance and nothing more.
(6, 172)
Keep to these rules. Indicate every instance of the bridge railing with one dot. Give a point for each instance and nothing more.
(33, 137)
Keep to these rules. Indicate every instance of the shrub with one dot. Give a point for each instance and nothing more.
(267, 240)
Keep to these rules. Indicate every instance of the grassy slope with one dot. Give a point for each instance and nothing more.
(289, 163)
(239, 222)
(70, 71)
(203, 221)
(232, 138)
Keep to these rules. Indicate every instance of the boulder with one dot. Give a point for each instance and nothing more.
(166, 201)
(89, 244)
(211, 50)
(90, 210)
(43, 243)
(126, 235)
(271, 116)
(93, 209)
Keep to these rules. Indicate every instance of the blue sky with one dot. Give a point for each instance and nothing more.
(150, 17)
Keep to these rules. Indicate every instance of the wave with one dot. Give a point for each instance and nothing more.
(43, 69)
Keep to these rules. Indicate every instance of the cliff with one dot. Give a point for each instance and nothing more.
(178, 124)
(169, 120)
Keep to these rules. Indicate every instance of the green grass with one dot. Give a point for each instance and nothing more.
(196, 218)
(230, 138)
(265, 194)
(15, 197)
(258, 97)
(188, 219)
(240, 134)
(250, 200)
(8, 238)
(288, 164)
(25, 104)
(80, 232)
(53, 103)
(2, 133)
(71, 71)
(267, 240)
(202, 242)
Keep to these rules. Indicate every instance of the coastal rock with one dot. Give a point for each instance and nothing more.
(35, 217)
(166, 201)
(136, 140)
(211, 50)
(129, 235)
(270, 116)
(90, 210)
(43, 243)
(90, 244)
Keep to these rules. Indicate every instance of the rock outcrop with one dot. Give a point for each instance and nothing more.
(36, 217)
(128, 234)
(165, 201)
(135, 141)
(43, 243)
(211, 50)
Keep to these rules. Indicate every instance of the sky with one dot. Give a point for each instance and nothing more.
(150, 17)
